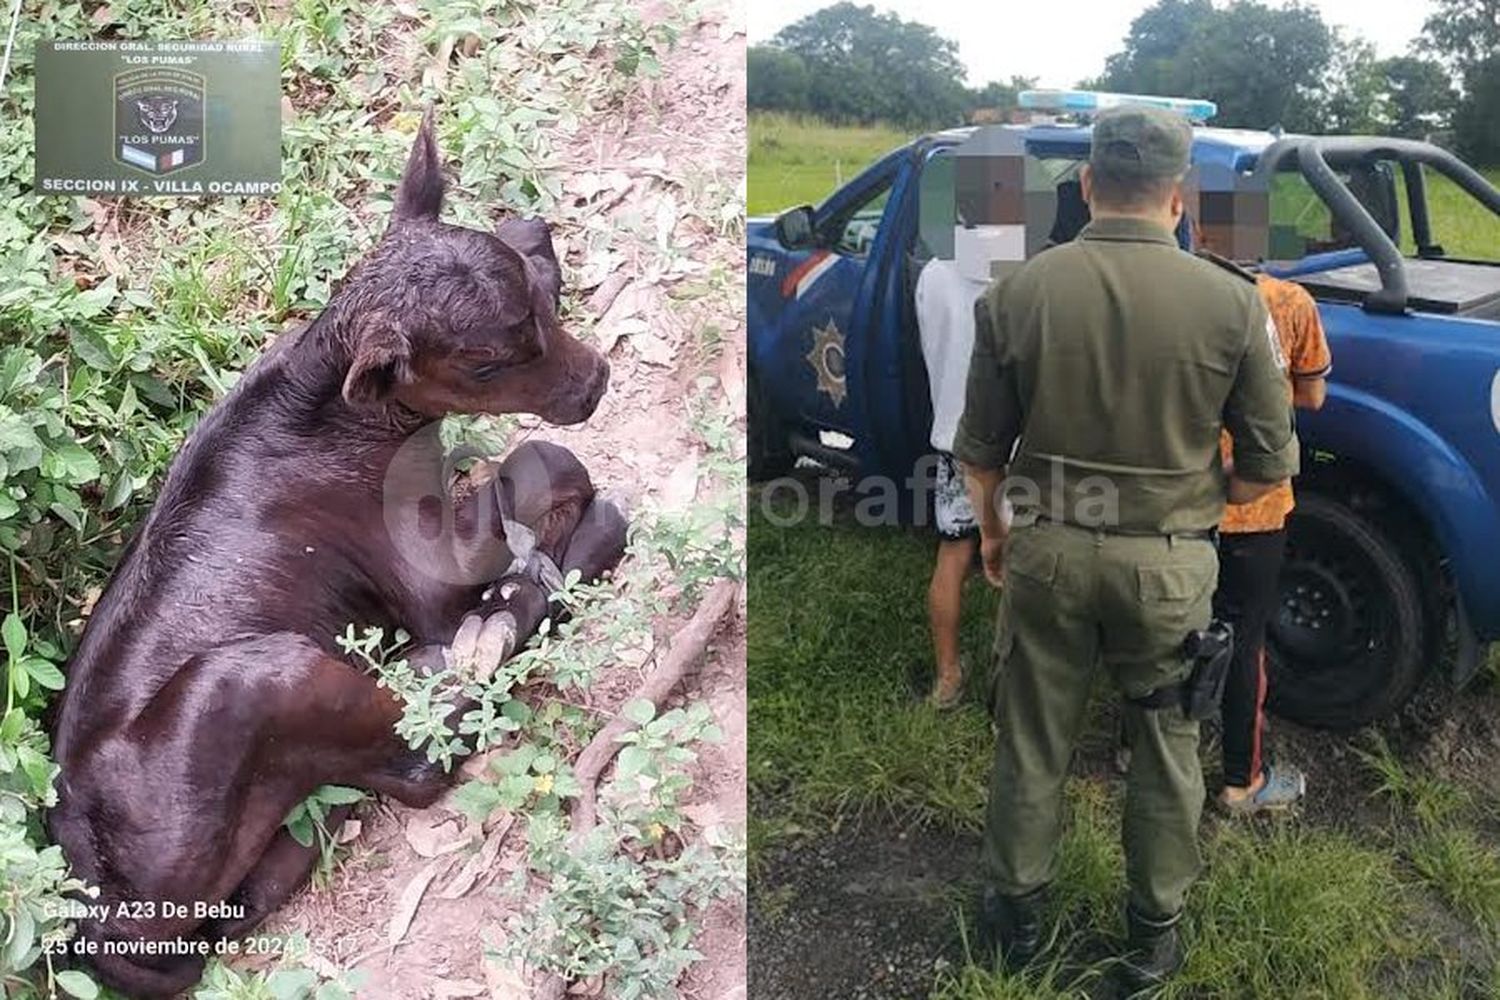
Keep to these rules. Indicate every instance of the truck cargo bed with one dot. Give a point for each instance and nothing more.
(1440, 286)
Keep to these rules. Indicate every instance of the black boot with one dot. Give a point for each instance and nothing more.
(1153, 951)
(1011, 926)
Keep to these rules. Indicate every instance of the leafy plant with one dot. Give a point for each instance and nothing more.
(527, 777)
(289, 980)
(307, 822)
(607, 913)
(651, 770)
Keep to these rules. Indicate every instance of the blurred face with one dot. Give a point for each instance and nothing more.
(462, 321)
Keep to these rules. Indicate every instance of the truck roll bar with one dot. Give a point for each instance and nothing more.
(1317, 156)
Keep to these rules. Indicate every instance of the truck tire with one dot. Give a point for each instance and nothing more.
(1346, 645)
(768, 449)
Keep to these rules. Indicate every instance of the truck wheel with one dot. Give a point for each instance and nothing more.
(1346, 644)
(768, 445)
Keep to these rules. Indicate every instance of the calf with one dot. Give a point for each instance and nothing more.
(208, 696)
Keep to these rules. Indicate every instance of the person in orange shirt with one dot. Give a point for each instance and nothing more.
(1252, 538)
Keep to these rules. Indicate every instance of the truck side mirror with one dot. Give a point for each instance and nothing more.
(795, 229)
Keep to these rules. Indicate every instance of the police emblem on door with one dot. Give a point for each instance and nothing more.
(827, 360)
(159, 119)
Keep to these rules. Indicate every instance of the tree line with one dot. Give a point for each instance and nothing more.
(1264, 66)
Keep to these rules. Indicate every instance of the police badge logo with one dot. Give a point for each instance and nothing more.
(827, 360)
(159, 119)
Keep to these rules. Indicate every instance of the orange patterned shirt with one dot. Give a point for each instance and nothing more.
(1305, 348)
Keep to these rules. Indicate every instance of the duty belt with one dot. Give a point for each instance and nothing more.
(1209, 535)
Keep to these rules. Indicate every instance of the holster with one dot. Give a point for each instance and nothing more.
(1207, 651)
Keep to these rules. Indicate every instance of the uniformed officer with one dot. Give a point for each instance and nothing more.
(1103, 371)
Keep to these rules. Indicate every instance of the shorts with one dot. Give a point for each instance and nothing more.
(953, 514)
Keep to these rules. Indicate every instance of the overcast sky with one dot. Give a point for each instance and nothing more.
(1063, 41)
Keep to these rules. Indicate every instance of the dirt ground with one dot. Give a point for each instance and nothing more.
(637, 445)
(872, 912)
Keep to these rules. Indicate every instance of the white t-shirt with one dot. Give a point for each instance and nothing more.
(945, 322)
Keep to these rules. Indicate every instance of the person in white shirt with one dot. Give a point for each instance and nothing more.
(945, 323)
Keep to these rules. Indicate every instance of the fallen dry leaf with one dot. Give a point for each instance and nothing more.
(435, 75)
(704, 814)
(452, 989)
(322, 966)
(480, 864)
(652, 349)
(506, 982)
(681, 485)
(97, 211)
(666, 220)
(622, 318)
(472, 767)
(609, 289)
(433, 834)
(349, 832)
(637, 653)
(655, 163)
(584, 186)
(410, 899)
(732, 379)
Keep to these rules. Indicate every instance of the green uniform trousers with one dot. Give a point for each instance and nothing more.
(1075, 597)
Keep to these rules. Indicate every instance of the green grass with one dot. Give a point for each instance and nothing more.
(1284, 909)
(837, 625)
(1464, 871)
(795, 161)
(1413, 793)
(1459, 223)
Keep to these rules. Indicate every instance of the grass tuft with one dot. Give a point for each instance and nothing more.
(1429, 800)
(1290, 913)
(1465, 872)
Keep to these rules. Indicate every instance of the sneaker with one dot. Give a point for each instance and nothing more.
(1282, 787)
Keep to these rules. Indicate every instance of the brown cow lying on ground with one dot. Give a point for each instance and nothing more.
(208, 695)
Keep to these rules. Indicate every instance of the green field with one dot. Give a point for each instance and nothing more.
(1387, 884)
(797, 161)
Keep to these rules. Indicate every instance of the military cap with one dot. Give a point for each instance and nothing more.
(1141, 141)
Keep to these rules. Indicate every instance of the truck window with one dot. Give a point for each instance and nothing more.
(935, 208)
(1301, 223)
(854, 233)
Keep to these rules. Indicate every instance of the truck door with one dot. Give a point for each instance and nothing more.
(918, 227)
(822, 315)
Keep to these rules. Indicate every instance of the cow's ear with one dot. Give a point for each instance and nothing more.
(420, 195)
(382, 361)
(532, 238)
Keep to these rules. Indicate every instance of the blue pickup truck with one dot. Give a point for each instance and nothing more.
(1393, 562)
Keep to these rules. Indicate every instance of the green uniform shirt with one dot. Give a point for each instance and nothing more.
(1110, 365)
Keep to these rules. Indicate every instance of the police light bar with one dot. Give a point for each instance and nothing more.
(1091, 102)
